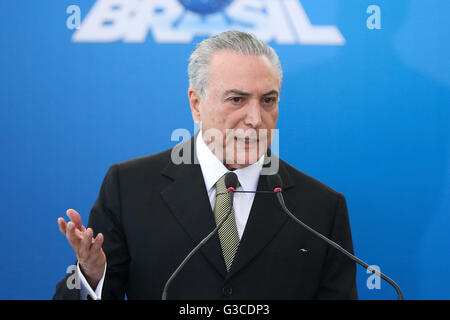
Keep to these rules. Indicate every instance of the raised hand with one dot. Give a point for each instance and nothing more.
(88, 249)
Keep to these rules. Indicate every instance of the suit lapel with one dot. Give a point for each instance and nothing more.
(264, 222)
(187, 199)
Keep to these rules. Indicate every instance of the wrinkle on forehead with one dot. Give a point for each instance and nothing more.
(248, 73)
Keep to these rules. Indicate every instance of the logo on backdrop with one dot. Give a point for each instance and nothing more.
(205, 6)
(179, 21)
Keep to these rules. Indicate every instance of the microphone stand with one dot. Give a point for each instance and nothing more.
(197, 247)
(338, 247)
(280, 198)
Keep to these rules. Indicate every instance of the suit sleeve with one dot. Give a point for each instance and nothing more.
(339, 273)
(105, 218)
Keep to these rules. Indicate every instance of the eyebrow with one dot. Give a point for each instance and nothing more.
(243, 93)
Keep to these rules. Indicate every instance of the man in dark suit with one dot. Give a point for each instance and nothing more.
(153, 210)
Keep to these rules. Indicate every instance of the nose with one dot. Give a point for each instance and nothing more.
(253, 115)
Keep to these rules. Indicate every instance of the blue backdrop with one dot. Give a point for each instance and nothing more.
(364, 108)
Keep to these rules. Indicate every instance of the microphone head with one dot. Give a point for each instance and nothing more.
(274, 182)
(231, 180)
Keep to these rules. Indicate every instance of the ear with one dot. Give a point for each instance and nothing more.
(194, 101)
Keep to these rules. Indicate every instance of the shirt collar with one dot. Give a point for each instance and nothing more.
(213, 168)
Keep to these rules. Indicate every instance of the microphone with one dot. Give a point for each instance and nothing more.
(275, 183)
(231, 182)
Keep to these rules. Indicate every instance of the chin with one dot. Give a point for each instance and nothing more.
(243, 158)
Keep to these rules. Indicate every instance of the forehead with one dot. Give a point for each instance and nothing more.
(233, 70)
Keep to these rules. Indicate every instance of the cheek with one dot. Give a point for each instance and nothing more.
(208, 115)
(212, 113)
(231, 118)
(270, 119)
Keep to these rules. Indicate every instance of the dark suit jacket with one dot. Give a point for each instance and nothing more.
(153, 212)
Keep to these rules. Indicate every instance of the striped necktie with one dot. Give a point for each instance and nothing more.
(228, 234)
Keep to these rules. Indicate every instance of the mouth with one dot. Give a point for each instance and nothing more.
(246, 141)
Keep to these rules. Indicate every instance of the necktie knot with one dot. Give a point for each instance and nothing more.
(221, 188)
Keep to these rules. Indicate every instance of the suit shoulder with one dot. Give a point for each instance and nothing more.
(151, 162)
(307, 182)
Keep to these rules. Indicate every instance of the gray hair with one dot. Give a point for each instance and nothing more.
(242, 42)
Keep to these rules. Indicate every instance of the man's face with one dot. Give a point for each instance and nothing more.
(240, 107)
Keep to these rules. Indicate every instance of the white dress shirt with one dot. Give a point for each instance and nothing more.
(85, 288)
(212, 169)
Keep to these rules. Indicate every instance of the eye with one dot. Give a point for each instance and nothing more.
(236, 100)
(269, 100)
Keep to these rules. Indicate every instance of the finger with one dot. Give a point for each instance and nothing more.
(62, 225)
(76, 219)
(97, 244)
(85, 244)
(73, 236)
(74, 231)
